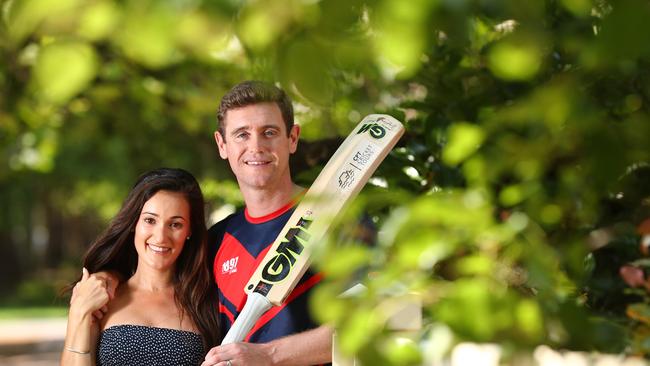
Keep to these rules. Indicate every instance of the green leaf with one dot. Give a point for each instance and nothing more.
(464, 140)
(148, 34)
(63, 69)
(580, 8)
(515, 61)
(23, 17)
(99, 20)
(402, 351)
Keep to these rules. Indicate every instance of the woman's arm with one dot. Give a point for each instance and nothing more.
(82, 330)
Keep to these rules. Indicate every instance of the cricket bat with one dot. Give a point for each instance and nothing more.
(338, 183)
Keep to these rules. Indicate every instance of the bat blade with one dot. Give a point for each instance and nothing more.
(339, 182)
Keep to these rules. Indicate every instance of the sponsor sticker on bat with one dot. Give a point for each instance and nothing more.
(346, 178)
(386, 123)
(291, 246)
(263, 288)
(357, 164)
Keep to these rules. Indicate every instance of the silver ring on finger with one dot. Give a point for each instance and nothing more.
(229, 363)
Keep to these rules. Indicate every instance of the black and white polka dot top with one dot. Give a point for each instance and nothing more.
(142, 345)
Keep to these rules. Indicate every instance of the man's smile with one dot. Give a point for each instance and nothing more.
(257, 162)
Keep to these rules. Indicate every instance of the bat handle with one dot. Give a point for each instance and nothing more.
(255, 306)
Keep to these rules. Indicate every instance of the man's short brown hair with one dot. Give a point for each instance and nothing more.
(253, 92)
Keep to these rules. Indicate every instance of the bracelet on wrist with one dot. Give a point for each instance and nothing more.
(76, 351)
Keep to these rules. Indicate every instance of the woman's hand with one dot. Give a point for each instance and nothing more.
(90, 294)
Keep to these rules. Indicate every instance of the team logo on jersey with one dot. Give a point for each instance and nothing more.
(278, 267)
(229, 266)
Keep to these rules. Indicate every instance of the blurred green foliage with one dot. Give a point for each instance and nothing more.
(34, 293)
(32, 312)
(508, 207)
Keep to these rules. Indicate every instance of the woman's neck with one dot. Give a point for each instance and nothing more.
(151, 280)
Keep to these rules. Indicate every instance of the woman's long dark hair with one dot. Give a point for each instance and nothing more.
(114, 250)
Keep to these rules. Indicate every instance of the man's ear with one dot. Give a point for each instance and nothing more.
(294, 135)
(221, 144)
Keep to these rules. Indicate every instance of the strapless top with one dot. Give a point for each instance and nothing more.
(148, 346)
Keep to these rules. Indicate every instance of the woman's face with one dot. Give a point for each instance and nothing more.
(162, 228)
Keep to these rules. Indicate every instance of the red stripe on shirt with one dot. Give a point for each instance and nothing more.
(224, 310)
(274, 214)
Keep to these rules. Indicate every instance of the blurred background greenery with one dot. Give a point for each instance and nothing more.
(509, 206)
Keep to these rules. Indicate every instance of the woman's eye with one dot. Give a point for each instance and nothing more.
(177, 225)
(149, 220)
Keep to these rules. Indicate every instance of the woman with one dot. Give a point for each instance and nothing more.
(164, 312)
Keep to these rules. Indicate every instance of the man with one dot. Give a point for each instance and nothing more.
(256, 134)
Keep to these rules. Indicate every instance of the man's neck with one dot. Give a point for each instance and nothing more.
(261, 202)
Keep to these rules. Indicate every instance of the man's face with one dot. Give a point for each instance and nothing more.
(256, 144)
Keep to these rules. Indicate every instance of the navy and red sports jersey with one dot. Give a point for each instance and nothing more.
(240, 243)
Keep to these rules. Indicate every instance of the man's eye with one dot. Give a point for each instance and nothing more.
(269, 133)
(242, 135)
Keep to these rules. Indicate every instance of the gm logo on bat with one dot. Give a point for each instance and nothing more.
(292, 244)
(374, 129)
